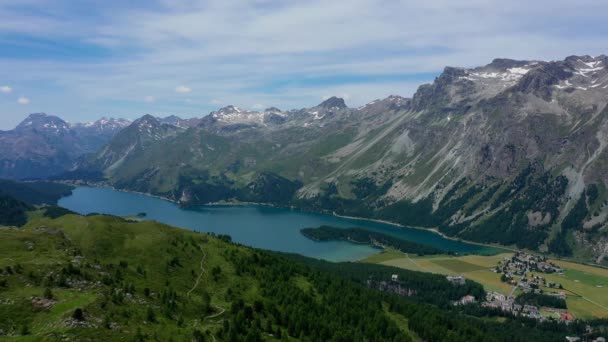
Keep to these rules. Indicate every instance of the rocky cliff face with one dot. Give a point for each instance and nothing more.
(503, 153)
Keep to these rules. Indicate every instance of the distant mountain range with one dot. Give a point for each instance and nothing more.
(513, 152)
(44, 145)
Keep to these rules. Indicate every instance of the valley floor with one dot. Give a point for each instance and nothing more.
(586, 287)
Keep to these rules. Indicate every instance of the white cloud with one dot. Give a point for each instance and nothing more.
(258, 106)
(23, 100)
(6, 89)
(149, 99)
(284, 54)
(182, 89)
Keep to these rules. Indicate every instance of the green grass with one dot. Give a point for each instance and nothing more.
(144, 281)
(586, 288)
(458, 266)
(386, 255)
(474, 267)
(104, 242)
(587, 278)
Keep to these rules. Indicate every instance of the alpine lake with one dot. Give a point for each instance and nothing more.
(258, 226)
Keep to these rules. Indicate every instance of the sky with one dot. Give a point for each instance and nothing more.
(85, 59)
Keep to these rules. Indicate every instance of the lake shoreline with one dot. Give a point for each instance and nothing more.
(433, 230)
(269, 205)
(235, 204)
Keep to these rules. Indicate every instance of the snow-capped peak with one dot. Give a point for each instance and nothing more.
(235, 114)
(104, 124)
(588, 73)
(44, 122)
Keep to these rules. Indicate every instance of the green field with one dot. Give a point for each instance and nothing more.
(586, 286)
(474, 267)
(458, 266)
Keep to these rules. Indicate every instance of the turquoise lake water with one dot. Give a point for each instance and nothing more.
(257, 226)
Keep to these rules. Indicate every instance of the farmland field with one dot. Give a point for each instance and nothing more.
(586, 286)
(474, 267)
(458, 266)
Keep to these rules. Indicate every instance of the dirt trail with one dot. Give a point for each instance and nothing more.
(198, 280)
(196, 283)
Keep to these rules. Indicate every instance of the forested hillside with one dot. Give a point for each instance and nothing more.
(35, 193)
(102, 277)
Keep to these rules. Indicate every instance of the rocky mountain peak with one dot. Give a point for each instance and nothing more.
(170, 119)
(147, 118)
(539, 80)
(392, 102)
(333, 103)
(230, 109)
(44, 122)
(147, 123)
(272, 110)
(179, 122)
(104, 124)
(506, 63)
(397, 99)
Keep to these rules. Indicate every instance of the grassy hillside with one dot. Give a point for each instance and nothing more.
(106, 278)
(103, 277)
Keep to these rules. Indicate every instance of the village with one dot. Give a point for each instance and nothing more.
(518, 271)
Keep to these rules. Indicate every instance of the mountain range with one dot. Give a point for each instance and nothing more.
(43, 145)
(512, 152)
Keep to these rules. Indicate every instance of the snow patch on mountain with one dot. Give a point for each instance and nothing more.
(509, 75)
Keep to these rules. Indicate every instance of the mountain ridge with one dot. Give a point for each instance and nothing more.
(465, 151)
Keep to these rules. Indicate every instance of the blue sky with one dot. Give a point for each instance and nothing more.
(85, 59)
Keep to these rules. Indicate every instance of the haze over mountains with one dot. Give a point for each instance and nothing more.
(512, 152)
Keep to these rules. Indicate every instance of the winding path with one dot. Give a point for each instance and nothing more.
(196, 283)
(198, 280)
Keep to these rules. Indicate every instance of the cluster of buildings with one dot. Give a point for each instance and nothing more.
(506, 303)
(520, 263)
(533, 284)
(515, 269)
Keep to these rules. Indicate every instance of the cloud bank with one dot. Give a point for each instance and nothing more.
(84, 61)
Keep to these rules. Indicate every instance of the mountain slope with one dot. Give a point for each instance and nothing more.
(40, 145)
(93, 135)
(35, 193)
(500, 153)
